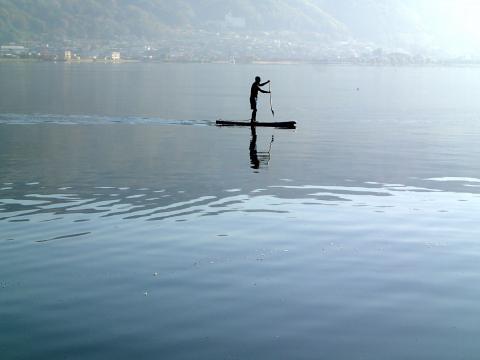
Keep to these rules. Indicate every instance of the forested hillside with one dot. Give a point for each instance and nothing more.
(149, 19)
(409, 24)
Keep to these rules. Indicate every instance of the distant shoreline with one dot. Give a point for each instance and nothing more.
(81, 61)
(254, 62)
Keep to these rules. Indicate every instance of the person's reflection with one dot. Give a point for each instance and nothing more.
(258, 157)
(253, 149)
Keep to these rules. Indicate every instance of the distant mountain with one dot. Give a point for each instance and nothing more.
(403, 24)
(149, 19)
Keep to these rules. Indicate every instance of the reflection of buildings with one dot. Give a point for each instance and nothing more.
(67, 56)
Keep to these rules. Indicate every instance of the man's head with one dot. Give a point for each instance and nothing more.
(257, 79)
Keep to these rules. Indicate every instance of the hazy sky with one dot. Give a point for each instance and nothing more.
(449, 25)
(455, 23)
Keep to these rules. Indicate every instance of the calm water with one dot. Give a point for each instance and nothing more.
(131, 227)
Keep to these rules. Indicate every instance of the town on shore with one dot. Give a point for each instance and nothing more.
(206, 47)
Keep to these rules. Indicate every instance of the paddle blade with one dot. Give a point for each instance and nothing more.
(271, 106)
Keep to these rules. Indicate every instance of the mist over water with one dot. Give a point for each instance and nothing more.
(131, 226)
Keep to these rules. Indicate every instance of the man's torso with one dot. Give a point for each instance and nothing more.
(254, 91)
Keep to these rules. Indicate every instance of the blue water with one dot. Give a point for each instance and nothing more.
(131, 226)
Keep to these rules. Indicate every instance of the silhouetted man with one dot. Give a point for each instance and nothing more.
(254, 94)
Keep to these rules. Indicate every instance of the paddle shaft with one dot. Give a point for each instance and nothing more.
(271, 106)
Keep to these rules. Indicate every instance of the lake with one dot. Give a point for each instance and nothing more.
(132, 227)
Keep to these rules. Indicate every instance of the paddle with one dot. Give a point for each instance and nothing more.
(271, 107)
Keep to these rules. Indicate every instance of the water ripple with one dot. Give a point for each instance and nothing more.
(30, 119)
(82, 208)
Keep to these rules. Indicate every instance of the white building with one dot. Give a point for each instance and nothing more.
(116, 56)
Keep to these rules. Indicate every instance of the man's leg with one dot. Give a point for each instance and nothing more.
(254, 115)
(253, 106)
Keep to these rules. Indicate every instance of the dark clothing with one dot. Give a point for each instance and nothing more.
(253, 98)
(253, 103)
(256, 88)
(254, 91)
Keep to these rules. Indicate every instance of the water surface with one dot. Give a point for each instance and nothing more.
(131, 226)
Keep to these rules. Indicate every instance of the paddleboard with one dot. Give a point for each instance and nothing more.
(277, 124)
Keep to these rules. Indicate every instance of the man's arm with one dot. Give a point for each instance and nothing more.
(263, 91)
(265, 83)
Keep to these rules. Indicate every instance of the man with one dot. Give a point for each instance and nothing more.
(254, 94)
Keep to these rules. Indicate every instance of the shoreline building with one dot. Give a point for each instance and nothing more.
(67, 55)
(116, 56)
